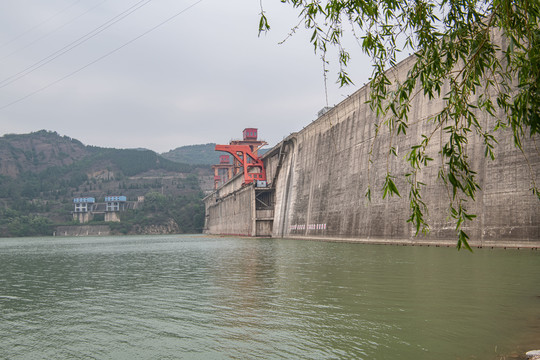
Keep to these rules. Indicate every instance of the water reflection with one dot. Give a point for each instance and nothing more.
(200, 297)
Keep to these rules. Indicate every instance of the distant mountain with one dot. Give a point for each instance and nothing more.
(41, 173)
(38, 151)
(194, 154)
(198, 154)
(45, 150)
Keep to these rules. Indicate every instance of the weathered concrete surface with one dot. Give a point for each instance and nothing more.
(229, 209)
(83, 230)
(320, 192)
(320, 177)
(112, 216)
(235, 209)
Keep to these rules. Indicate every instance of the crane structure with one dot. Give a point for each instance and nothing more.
(252, 165)
(222, 171)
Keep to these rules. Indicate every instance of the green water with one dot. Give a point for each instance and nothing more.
(197, 297)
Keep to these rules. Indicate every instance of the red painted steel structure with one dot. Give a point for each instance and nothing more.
(224, 159)
(252, 165)
(222, 171)
(250, 134)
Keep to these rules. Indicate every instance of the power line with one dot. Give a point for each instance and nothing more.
(101, 57)
(73, 44)
(52, 31)
(38, 25)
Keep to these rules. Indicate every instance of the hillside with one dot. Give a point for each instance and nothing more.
(41, 173)
(194, 154)
(198, 154)
(37, 152)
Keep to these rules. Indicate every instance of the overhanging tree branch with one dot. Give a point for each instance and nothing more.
(455, 48)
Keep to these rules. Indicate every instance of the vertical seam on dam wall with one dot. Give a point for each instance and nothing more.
(286, 195)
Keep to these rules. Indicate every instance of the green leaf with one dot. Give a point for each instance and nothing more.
(263, 24)
(389, 188)
(463, 241)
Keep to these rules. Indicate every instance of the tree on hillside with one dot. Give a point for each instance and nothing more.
(454, 42)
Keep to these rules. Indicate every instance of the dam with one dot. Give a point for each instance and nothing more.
(316, 181)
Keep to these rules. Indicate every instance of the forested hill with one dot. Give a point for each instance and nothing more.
(45, 150)
(41, 173)
(38, 151)
(198, 154)
(194, 154)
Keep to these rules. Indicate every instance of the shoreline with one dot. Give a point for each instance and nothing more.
(474, 244)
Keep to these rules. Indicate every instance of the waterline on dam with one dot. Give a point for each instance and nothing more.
(202, 297)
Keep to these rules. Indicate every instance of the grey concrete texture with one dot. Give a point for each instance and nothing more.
(231, 212)
(322, 177)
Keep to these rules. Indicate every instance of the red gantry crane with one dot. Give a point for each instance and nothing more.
(252, 165)
(245, 155)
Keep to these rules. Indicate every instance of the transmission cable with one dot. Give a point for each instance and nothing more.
(38, 25)
(73, 44)
(52, 31)
(101, 57)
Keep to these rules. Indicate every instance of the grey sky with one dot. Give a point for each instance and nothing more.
(202, 77)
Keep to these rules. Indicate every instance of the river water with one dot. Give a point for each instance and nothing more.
(199, 297)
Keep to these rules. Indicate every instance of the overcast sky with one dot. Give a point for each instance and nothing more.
(201, 77)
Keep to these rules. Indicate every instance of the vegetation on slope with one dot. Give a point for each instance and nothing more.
(186, 211)
(38, 181)
(194, 154)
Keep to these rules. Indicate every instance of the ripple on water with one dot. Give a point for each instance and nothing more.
(197, 297)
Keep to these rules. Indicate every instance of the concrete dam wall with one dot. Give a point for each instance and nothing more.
(318, 178)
